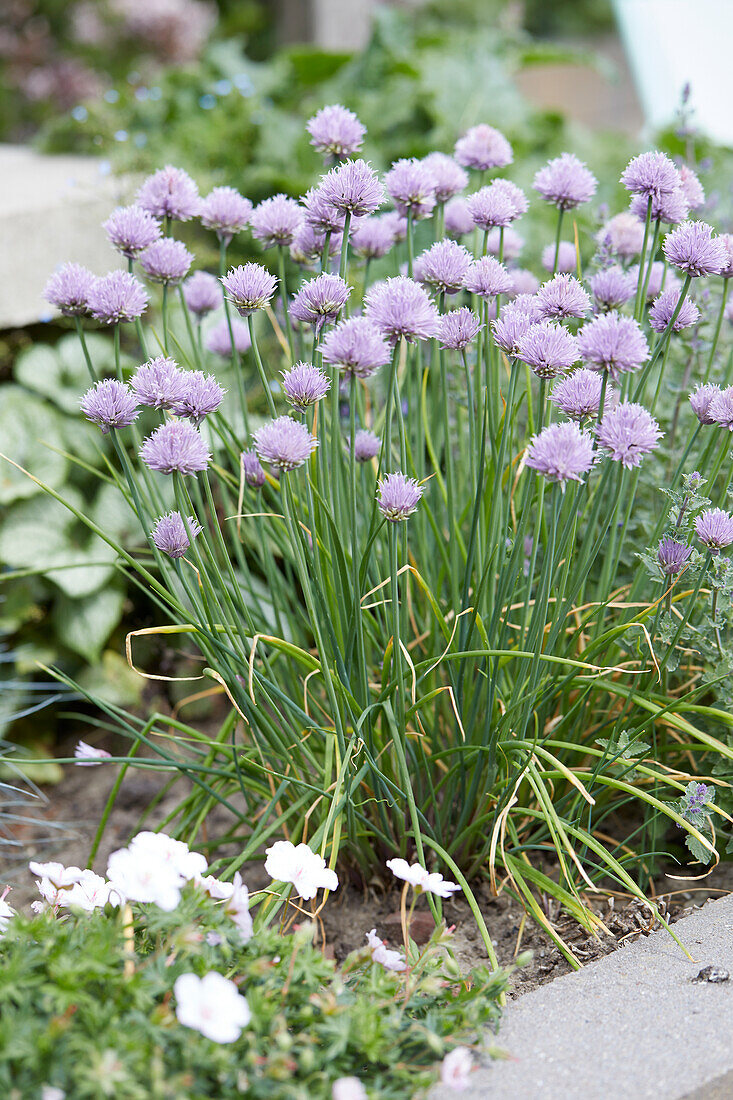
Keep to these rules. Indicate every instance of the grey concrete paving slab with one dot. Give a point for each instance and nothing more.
(632, 1024)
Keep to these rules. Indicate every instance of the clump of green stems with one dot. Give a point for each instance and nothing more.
(436, 688)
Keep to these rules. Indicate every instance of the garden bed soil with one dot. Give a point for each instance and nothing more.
(75, 805)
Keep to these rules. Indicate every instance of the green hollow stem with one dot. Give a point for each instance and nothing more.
(85, 350)
(260, 367)
(284, 300)
(164, 316)
(558, 233)
(718, 326)
(232, 341)
(638, 302)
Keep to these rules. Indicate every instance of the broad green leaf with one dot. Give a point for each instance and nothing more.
(26, 423)
(85, 625)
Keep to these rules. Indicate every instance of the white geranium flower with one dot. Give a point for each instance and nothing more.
(307, 871)
(50, 1092)
(390, 960)
(455, 1069)
(348, 1088)
(86, 756)
(236, 896)
(175, 853)
(420, 879)
(136, 875)
(56, 873)
(212, 1005)
(6, 913)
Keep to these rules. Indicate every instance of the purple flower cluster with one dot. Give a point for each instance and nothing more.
(701, 399)
(398, 496)
(304, 385)
(166, 261)
(578, 395)
(482, 147)
(721, 407)
(497, 205)
(366, 445)
(714, 528)
(567, 258)
(252, 471)
(110, 405)
(561, 452)
(202, 293)
(672, 556)
(171, 533)
(175, 448)
(159, 384)
(663, 309)
(548, 349)
(613, 343)
(563, 296)
(372, 238)
(201, 396)
(116, 298)
(285, 443)
(411, 186)
(130, 229)
(249, 287)
(399, 307)
(68, 289)
(449, 177)
(356, 347)
(336, 132)
(219, 339)
(353, 187)
(226, 212)
(276, 221)
(628, 431)
(693, 248)
(320, 300)
(612, 287)
(443, 266)
(458, 328)
(170, 193)
(566, 182)
(650, 174)
(487, 278)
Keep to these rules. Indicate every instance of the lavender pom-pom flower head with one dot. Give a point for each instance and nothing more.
(201, 395)
(159, 383)
(701, 400)
(399, 307)
(170, 193)
(650, 174)
(613, 343)
(496, 205)
(249, 287)
(612, 287)
(226, 212)
(482, 147)
(68, 289)
(372, 238)
(694, 249)
(443, 266)
(171, 534)
(276, 221)
(166, 261)
(252, 471)
(487, 278)
(567, 258)
(563, 296)
(284, 443)
(320, 300)
(565, 182)
(116, 298)
(664, 308)
(458, 328)
(398, 496)
(548, 349)
(219, 339)
(366, 445)
(356, 347)
(353, 188)
(202, 293)
(672, 556)
(628, 431)
(449, 177)
(714, 528)
(578, 395)
(110, 405)
(561, 452)
(305, 385)
(720, 409)
(411, 186)
(175, 448)
(336, 132)
(130, 229)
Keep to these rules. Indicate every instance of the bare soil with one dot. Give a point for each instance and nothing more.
(67, 821)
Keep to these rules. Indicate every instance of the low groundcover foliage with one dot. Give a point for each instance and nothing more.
(414, 526)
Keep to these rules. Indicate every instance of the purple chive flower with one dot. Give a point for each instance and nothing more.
(509, 329)
(613, 343)
(159, 383)
(130, 229)
(727, 240)
(566, 182)
(366, 445)
(526, 304)
(170, 192)
(449, 177)
(372, 238)
(663, 307)
(628, 431)
(720, 409)
(701, 399)
(650, 174)
(109, 404)
(458, 220)
(166, 261)
(443, 266)
(397, 223)
(567, 258)
(219, 340)
(398, 496)
(202, 293)
(458, 328)
(353, 187)
(487, 278)
(284, 443)
(254, 475)
(320, 214)
(482, 147)
(226, 212)
(693, 248)
(612, 287)
(411, 186)
(523, 282)
(561, 452)
(563, 296)
(579, 395)
(175, 447)
(304, 385)
(548, 349)
(672, 556)
(171, 533)
(249, 287)
(692, 188)
(657, 276)
(68, 289)
(357, 347)
(625, 235)
(400, 307)
(320, 300)
(714, 528)
(672, 207)
(336, 131)
(308, 244)
(498, 204)
(276, 220)
(202, 395)
(116, 297)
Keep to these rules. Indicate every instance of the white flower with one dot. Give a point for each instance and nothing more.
(348, 1088)
(69, 887)
(50, 1092)
(307, 871)
(236, 896)
(420, 879)
(89, 893)
(174, 853)
(89, 757)
(56, 873)
(216, 888)
(390, 960)
(212, 1005)
(6, 913)
(455, 1069)
(138, 876)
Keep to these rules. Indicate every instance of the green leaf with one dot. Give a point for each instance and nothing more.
(624, 749)
(85, 625)
(26, 423)
(112, 680)
(699, 851)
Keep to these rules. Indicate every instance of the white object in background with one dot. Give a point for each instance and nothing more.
(670, 43)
